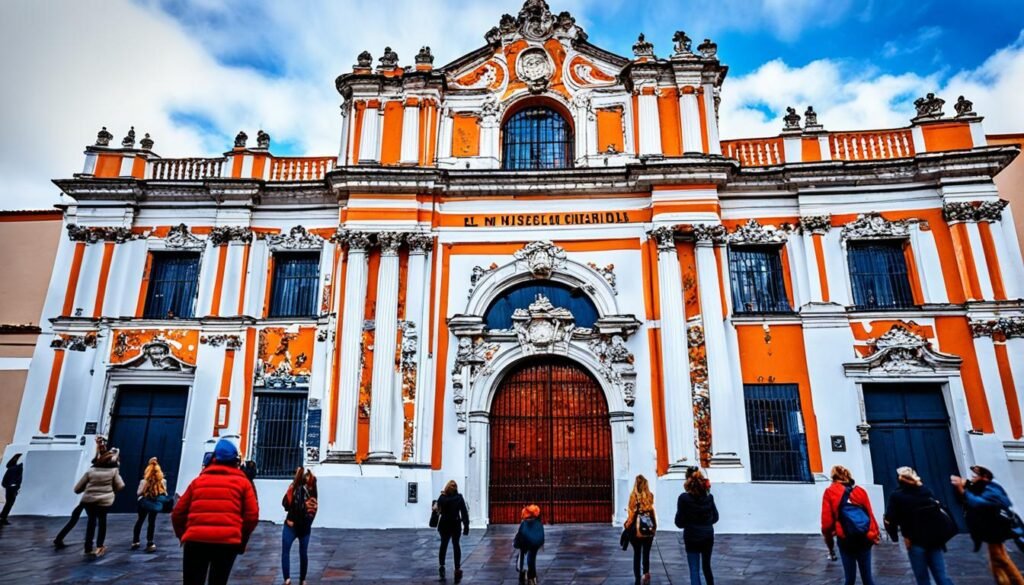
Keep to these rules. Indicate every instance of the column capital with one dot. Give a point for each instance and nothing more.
(707, 234)
(419, 243)
(664, 236)
(390, 242)
(357, 241)
(816, 224)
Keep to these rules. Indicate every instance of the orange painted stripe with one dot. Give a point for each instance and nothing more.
(702, 112)
(76, 271)
(225, 391)
(955, 338)
(1009, 389)
(247, 378)
(688, 207)
(101, 288)
(657, 404)
(259, 162)
(357, 127)
(218, 283)
(819, 255)
(912, 274)
(433, 300)
(140, 306)
(335, 373)
(721, 281)
(688, 269)
(965, 261)
(732, 223)
(245, 278)
(441, 363)
(270, 285)
(995, 273)
(139, 168)
(51, 391)
(646, 273)
(236, 167)
(668, 118)
(369, 337)
(381, 214)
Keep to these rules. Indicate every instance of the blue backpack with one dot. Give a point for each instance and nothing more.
(854, 519)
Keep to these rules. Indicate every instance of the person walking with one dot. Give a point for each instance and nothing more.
(152, 492)
(98, 487)
(215, 518)
(453, 520)
(12, 485)
(989, 520)
(641, 524)
(846, 514)
(528, 540)
(926, 527)
(300, 505)
(696, 515)
(76, 514)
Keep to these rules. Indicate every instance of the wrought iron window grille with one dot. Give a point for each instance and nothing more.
(537, 138)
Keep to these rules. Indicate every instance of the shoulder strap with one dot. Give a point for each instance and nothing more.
(846, 496)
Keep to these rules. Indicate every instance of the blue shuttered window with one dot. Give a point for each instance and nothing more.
(173, 281)
(878, 275)
(778, 445)
(295, 285)
(278, 432)
(499, 314)
(537, 138)
(758, 285)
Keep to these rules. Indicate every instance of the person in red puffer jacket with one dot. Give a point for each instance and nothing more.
(846, 513)
(215, 517)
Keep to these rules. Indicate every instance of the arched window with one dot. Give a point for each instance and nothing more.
(499, 313)
(537, 138)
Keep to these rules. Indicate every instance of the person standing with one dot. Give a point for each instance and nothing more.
(300, 505)
(988, 519)
(98, 487)
(152, 491)
(12, 485)
(453, 521)
(76, 514)
(529, 538)
(926, 527)
(641, 524)
(215, 518)
(846, 514)
(697, 514)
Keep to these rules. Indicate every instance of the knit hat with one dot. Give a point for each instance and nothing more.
(908, 475)
(225, 451)
(531, 511)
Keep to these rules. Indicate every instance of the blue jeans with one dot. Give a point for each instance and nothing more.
(287, 538)
(924, 560)
(853, 558)
(698, 558)
(530, 556)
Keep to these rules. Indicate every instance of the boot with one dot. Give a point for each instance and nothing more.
(440, 573)
(458, 575)
(531, 581)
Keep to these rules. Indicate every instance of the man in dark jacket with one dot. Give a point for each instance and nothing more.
(925, 525)
(11, 485)
(987, 511)
(215, 517)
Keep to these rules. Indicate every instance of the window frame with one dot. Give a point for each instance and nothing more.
(568, 154)
(801, 452)
(274, 281)
(783, 288)
(301, 394)
(149, 289)
(909, 272)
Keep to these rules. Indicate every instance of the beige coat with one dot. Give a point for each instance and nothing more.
(98, 486)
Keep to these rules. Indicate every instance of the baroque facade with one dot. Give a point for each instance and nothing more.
(539, 271)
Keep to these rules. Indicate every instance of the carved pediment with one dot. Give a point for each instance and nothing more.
(298, 238)
(543, 328)
(535, 22)
(542, 257)
(753, 232)
(157, 356)
(902, 352)
(873, 226)
(180, 236)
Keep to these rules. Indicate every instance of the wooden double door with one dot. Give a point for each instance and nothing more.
(551, 445)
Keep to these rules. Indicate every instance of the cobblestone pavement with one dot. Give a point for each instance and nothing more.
(573, 554)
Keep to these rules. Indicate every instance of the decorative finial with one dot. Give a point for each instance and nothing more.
(707, 49)
(146, 142)
(424, 57)
(129, 140)
(929, 107)
(389, 60)
(792, 120)
(811, 119)
(964, 107)
(240, 139)
(642, 48)
(262, 140)
(364, 60)
(103, 137)
(683, 43)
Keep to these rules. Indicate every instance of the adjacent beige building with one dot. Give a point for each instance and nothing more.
(1011, 180)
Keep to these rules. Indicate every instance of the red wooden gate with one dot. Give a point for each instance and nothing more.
(550, 445)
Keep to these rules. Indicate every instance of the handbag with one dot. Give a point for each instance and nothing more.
(435, 515)
(166, 502)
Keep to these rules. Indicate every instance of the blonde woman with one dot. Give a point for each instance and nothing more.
(640, 527)
(152, 492)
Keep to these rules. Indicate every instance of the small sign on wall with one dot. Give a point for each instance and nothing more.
(313, 419)
(412, 492)
(90, 428)
(838, 443)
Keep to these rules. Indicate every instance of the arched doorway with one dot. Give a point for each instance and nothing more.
(551, 444)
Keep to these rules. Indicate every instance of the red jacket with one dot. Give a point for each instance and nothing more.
(830, 525)
(219, 507)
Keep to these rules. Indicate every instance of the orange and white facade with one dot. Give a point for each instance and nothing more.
(421, 226)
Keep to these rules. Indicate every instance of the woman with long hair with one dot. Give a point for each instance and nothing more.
(300, 505)
(697, 514)
(152, 486)
(98, 487)
(846, 514)
(641, 524)
(453, 521)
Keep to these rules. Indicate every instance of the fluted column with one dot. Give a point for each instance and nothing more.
(650, 126)
(384, 339)
(417, 308)
(689, 117)
(676, 375)
(351, 338)
(410, 150)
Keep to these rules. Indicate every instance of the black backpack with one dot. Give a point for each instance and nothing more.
(934, 525)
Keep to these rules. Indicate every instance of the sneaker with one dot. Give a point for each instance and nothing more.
(440, 573)
(647, 578)
(150, 548)
(91, 553)
(135, 546)
(100, 550)
(458, 575)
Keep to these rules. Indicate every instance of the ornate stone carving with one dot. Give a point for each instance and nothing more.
(535, 69)
(419, 243)
(683, 44)
(929, 107)
(709, 233)
(664, 237)
(811, 119)
(74, 342)
(901, 351)
(229, 341)
(536, 23)
(129, 140)
(389, 60)
(240, 139)
(873, 226)
(701, 390)
(358, 241)
(999, 329)
(608, 273)
(390, 242)
(181, 237)
(479, 272)
(262, 140)
(753, 232)
(957, 211)
(424, 57)
(792, 120)
(103, 137)
(229, 233)
(472, 359)
(816, 224)
(863, 430)
(616, 364)
(964, 108)
(92, 235)
(542, 257)
(491, 108)
(298, 238)
(643, 48)
(543, 328)
(991, 210)
(708, 49)
(364, 60)
(157, 355)
(146, 143)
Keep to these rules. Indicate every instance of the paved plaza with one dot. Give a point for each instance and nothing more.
(573, 554)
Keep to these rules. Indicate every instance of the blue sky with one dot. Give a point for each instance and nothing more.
(194, 72)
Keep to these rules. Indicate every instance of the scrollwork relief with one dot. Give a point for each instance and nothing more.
(873, 226)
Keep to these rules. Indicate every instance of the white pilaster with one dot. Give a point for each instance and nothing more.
(811, 268)
(714, 143)
(351, 338)
(798, 258)
(345, 143)
(689, 116)
(989, 368)
(384, 339)
(410, 134)
(929, 267)
(444, 139)
(650, 126)
(369, 139)
(416, 310)
(980, 264)
(1010, 263)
